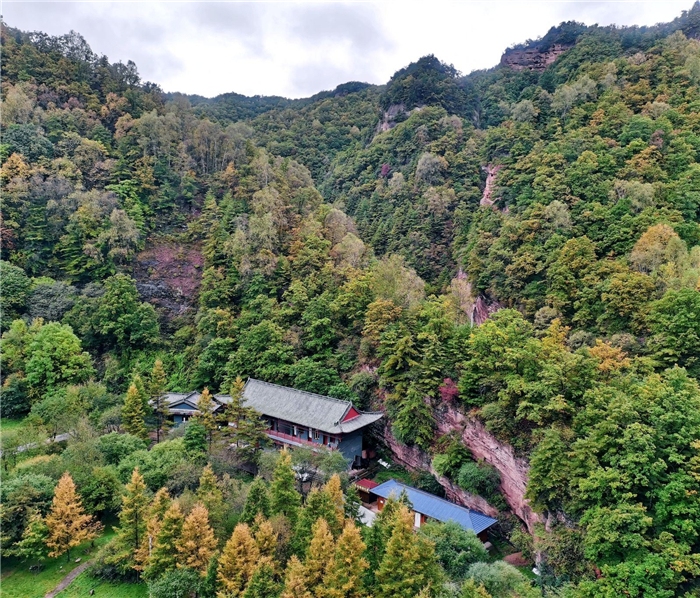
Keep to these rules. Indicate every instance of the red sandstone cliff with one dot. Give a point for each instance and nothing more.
(483, 445)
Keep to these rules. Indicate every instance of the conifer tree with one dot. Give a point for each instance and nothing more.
(163, 553)
(284, 497)
(137, 381)
(262, 584)
(160, 504)
(319, 505)
(211, 496)
(238, 562)
(317, 557)
(470, 589)
(377, 538)
(344, 576)
(409, 564)
(334, 490)
(67, 522)
(205, 414)
(32, 546)
(257, 503)
(352, 504)
(133, 417)
(156, 390)
(197, 542)
(235, 412)
(295, 580)
(133, 516)
(265, 537)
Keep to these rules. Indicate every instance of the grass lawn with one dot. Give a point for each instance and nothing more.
(8, 425)
(19, 582)
(82, 585)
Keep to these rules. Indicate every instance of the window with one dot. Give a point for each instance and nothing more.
(316, 435)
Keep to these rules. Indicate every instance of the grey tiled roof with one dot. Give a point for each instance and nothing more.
(296, 406)
(304, 408)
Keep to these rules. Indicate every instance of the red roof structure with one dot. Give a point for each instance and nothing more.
(366, 484)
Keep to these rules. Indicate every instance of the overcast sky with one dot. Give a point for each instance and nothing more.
(296, 49)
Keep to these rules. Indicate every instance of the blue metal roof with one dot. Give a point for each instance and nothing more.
(435, 507)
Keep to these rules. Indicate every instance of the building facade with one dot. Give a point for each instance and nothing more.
(294, 417)
(426, 506)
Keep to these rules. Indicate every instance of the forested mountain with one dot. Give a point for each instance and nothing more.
(521, 245)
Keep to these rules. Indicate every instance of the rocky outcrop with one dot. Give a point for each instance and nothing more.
(483, 445)
(533, 59)
(168, 276)
(487, 198)
(483, 308)
(388, 120)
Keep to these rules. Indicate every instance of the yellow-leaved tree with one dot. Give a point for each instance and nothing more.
(67, 522)
(197, 542)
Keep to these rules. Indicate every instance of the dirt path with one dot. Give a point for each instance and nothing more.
(68, 579)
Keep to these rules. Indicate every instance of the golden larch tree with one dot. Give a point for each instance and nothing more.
(197, 542)
(67, 522)
(238, 562)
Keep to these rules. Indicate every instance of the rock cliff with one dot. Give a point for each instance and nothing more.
(483, 445)
(534, 59)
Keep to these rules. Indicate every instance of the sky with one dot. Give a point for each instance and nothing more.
(295, 49)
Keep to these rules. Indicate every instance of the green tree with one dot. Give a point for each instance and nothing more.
(133, 517)
(32, 546)
(257, 502)
(205, 415)
(284, 498)
(156, 390)
(163, 555)
(263, 584)
(133, 418)
(455, 547)
(16, 287)
(210, 495)
(409, 565)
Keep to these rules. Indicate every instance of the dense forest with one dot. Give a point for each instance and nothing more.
(520, 245)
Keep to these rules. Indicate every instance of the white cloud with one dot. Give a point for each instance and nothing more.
(297, 49)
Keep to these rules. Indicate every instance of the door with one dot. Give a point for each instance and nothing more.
(416, 519)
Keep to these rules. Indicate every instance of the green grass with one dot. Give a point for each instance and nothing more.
(19, 582)
(80, 588)
(9, 425)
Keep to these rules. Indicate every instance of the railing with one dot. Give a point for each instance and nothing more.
(275, 435)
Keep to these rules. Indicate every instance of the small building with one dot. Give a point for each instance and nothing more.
(364, 489)
(294, 417)
(427, 506)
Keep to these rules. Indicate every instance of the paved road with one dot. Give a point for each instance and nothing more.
(31, 445)
(68, 579)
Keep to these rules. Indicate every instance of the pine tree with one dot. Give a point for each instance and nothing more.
(156, 390)
(133, 414)
(133, 516)
(377, 538)
(283, 495)
(409, 564)
(334, 490)
(262, 584)
(205, 414)
(258, 502)
(163, 553)
(317, 557)
(265, 537)
(32, 546)
(197, 542)
(235, 412)
(67, 522)
(295, 580)
(212, 497)
(344, 576)
(237, 562)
